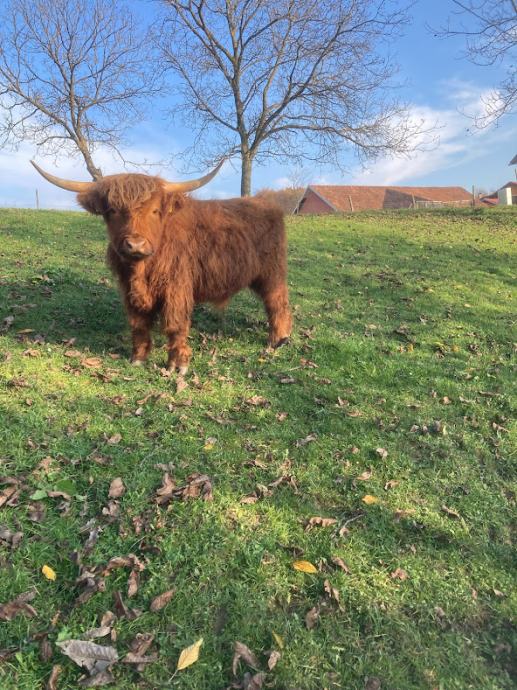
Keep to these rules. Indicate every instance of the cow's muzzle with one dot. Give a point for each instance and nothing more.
(136, 248)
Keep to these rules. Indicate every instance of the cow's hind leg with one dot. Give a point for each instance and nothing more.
(141, 324)
(276, 301)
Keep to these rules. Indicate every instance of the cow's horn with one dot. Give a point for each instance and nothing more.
(70, 185)
(193, 184)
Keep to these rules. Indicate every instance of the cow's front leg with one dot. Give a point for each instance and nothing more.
(141, 324)
(179, 351)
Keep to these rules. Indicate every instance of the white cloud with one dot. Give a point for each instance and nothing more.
(458, 141)
(19, 180)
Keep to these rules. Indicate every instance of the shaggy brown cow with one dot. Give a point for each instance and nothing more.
(170, 252)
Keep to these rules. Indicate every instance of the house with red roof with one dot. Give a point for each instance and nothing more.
(320, 199)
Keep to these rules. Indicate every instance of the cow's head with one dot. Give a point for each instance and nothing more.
(133, 207)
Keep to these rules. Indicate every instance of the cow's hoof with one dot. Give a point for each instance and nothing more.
(279, 343)
(137, 362)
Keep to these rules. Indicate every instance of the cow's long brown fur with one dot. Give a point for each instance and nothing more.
(199, 251)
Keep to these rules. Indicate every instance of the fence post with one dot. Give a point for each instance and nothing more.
(351, 204)
(37, 200)
(473, 196)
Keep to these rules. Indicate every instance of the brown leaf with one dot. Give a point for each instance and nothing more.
(54, 675)
(98, 680)
(319, 522)
(91, 362)
(367, 474)
(115, 439)
(122, 610)
(399, 574)
(45, 649)
(331, 591)
(450, 512)
(382, 453)
(274, 657)
(73, 353)
(391, 484)
(132, 658)
(339, 562)
(159, 602)
(304, 441)
(141, 643)
(117, 488)
(95, 658)
(132, 583)
(8, 538)
(258, 401)
(354, 413)
(399, 514)
(312, 617)
(181, 384)
(281, 416)
(243, 652)
(18, 606)
(198, 485)
(372, 683)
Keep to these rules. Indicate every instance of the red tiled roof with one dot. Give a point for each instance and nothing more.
(366, 197)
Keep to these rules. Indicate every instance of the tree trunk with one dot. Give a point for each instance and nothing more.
(247, 161)
(94, 171)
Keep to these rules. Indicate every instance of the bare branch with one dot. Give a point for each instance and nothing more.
(289, 79)
(490, 31)
(73, 73)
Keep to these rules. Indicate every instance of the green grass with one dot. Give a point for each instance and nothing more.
(399, 311)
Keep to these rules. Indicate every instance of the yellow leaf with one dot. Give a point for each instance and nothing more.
(279, 640)
(305, 567)
(189, 655)
(48, 572)
(370, 500)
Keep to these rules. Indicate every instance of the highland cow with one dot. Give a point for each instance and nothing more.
(170, 252)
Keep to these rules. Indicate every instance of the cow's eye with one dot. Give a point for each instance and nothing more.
(156, 211)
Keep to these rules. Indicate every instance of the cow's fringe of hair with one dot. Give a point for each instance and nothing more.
(128, 191)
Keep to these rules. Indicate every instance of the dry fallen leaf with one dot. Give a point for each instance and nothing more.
(450, 512)
(399, 574)
(367, 474)
(391, 484)
(319, 522)
(161, 600)
(370, 500)
(339, 562)
(382, 453)
(48, 572)
(19, 605)
(312, 617)
(54, 675)
(304, 441)
(91, 362)
(95, 658)
(117, 488)
(189, 655)
(372, 683)
(115, 439)
(274, 657)
(305, 567)
(243, 652)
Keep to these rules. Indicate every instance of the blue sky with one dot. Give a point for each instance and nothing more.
(439, 86)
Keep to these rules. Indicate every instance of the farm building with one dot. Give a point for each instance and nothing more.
(506, 196)
(319, 199)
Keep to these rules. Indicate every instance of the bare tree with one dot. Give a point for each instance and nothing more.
(73, 74)
(290, 79)
(490, 31)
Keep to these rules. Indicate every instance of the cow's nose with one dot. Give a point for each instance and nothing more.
(133, 244)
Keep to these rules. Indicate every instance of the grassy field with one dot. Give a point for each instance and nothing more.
(390, 415)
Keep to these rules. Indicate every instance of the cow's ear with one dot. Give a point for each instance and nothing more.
(93, 202)
(172, 202)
